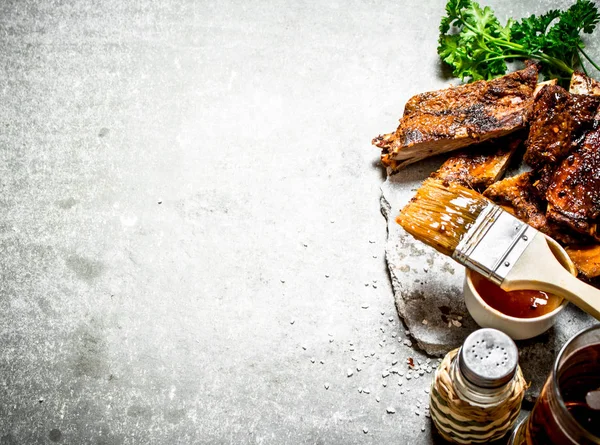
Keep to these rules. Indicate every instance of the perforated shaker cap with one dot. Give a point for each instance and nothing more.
(488, 358)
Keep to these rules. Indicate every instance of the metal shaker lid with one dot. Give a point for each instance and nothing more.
(488, 358)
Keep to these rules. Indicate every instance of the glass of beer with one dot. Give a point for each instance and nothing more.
(567, 411)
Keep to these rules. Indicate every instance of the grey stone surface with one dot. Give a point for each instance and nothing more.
(179, 180)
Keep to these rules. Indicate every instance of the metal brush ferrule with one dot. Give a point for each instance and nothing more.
(493, 243)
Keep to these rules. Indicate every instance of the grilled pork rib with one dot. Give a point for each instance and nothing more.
(479, 166)
(559, 122)
(517, 195)
(449, 119)
(515, 192)
(574, 192)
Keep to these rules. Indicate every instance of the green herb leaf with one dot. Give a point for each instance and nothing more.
(474, 43)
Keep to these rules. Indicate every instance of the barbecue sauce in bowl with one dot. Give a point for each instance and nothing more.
(520, 303)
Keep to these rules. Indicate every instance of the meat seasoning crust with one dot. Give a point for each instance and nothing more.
(558, 124)
(445, 120)
(480, 165)
(574, 193)
(518, 196)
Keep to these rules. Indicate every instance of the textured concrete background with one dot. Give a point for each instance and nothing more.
(182, 180)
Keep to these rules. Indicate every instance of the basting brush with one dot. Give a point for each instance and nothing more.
(481, 236)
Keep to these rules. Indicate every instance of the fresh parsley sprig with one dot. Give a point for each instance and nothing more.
(474, 43)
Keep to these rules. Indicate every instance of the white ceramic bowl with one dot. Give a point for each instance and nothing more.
(517, 328)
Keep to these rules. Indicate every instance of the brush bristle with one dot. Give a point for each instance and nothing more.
(441, 213)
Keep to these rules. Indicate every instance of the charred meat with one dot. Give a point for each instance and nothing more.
(559, 122)
(449, 119)
(479, 166)
(518, 195)
(574, 192)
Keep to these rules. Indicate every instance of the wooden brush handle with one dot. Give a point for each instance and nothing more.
(538, 269)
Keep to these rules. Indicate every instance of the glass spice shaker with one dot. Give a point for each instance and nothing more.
(477, 390)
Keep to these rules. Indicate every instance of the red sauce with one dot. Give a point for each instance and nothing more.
(520, 303)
